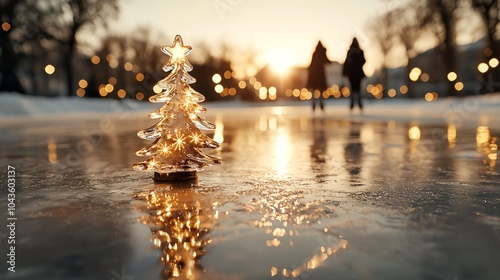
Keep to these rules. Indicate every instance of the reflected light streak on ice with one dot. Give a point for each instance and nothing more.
(180, 220)
(282, 151)
(52, 151)
(414, 133)
(219, 130)
(452, 135)
(487, 145)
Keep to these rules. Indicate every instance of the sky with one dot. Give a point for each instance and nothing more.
(280, 32)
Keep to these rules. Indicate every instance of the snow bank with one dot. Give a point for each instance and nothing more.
(474, 110)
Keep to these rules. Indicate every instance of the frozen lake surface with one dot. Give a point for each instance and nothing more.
(298, 196)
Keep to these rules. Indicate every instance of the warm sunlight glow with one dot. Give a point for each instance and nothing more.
(452, 133)
(280, 60)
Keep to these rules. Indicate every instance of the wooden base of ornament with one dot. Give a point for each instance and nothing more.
(175, 176)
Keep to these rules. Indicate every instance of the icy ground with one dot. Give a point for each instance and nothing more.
(298, 195)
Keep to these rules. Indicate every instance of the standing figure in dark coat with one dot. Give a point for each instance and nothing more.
(316, 79)
(353, 69)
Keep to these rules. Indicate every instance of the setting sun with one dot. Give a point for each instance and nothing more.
(280, 60)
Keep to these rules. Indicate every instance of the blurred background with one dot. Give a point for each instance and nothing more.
(248, 50)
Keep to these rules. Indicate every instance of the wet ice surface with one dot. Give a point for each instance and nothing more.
(295, 197)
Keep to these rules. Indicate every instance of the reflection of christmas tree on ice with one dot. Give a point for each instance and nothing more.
(177, 137)
(179, 225)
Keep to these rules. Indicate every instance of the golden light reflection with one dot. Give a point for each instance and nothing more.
(452, 135)
(493, 62)
(483, 67)
(216, 78)
(482, 135)
(414, 133)
(6, 26)
(391, 92)
(452, 76)
(424, 77)
(83, 83)
(282, 150)
(219, 130)
(180, 220)
(50, 69)
(139, 77)
(95, 59)
(415, 74)
(52, 151)
(487, 145)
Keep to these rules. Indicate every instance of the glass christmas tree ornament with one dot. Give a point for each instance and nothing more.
(177, 148)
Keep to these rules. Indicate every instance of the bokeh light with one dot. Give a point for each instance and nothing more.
(482, 67)
(80, 92)
(128, 66)
(109, 87)
(121, 93)
(83, 83)
(263, 93)
(6, 26)
(415, 74)
(112, 81)
(403, 89)
(493, 62)
(391, 92)
(216, 78)
(139, 96)
(139, 77)
(429, 97)
(95, 59)
(452, 76)
(242, 84)
(424, 77)
(459, 86)
(50, 69)
(157, 89)
(219, 88)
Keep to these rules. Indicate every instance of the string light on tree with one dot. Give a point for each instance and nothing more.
(176, 152)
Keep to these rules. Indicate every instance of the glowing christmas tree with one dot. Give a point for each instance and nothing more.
(176, 152)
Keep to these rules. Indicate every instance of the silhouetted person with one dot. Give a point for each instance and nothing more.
(353, 69)
(316, 79)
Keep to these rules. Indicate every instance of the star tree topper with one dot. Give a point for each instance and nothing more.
(176, 152)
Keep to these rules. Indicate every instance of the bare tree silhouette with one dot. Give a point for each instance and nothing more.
(489, 11)
(8, 56)
(71, 17)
